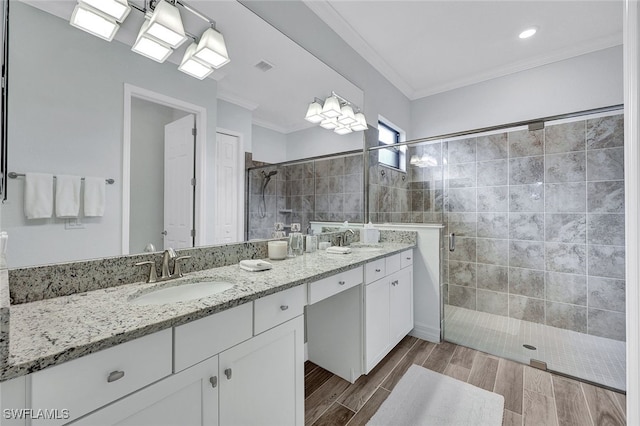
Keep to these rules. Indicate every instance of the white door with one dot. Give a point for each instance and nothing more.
(179, 147)
(228, 189)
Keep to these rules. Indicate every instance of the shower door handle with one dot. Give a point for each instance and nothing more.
(452, 242)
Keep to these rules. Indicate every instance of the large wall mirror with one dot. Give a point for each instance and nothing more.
(79, 105)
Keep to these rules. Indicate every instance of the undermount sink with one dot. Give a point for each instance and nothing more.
(181, 293)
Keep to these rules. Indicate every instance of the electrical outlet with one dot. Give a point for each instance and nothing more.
(74, 223)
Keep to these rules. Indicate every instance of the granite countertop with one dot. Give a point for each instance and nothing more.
(52, 331)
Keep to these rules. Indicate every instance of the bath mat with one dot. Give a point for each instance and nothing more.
(424, 397)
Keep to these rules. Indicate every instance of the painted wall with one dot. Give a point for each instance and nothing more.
(316, 141)
(588, 81)
(269, 146)
(67, 118)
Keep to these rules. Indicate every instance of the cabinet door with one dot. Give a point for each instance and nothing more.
(262, 379)
(401, 304)
(189, 398)
(376, 322)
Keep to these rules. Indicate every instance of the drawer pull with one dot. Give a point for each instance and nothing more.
(408, 258)
(284, 307)
(115, 375)
(227, 372)
(341, 282)
(214, 381)
(378, 270)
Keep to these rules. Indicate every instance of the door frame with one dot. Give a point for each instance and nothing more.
(241, 176)
(200, 113)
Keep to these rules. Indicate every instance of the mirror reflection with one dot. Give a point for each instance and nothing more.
(81, 106)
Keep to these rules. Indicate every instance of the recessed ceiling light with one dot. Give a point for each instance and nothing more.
(528, 32)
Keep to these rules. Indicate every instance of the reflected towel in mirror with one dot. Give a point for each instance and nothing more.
(94, 196)
(67, 196)
(38, 195)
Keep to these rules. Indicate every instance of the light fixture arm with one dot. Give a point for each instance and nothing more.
(149, 5)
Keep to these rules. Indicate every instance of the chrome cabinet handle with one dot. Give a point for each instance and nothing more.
(227, 372)
(394, 283)
(341, 282)
(214, 381)
(284, 307)
(408, 258)
(115, 375)
(452, 242)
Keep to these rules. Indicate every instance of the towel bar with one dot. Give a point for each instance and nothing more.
(14, 175)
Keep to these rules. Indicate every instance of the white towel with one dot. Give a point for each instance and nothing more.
(38, 195)
(94, 196)
(67, 196)
(339, 250)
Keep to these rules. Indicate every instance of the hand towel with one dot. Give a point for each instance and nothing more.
(339, 250)
(67, 196)
(94, 196)
(38, 195)
(255, 265)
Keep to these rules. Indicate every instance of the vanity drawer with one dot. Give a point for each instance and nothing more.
(277, 308)
(335, 284)
(392, 264)
(406, 258)
(82, 385)
(203, 338)
(375, 270)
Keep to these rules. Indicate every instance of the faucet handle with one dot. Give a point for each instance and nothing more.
(177, 266)
(153, 276)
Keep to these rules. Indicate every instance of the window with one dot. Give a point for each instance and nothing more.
(393, 156)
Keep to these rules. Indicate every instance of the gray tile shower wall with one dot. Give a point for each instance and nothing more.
(539, 221)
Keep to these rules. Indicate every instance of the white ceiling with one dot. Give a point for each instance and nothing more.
(426, 47)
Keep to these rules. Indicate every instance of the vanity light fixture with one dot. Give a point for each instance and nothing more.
(343, 130)
(346, 115)
(360, 124)
(117, 9)
(336, 114)
(192, 66)
(165, 25)
(94, 22)
(212, 49)
(314, 112)
(149, 46)
(331, 107)
(329, 123)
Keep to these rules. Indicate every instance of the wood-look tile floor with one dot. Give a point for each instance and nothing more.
(532, 397)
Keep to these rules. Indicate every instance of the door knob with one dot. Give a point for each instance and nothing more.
(164, 233)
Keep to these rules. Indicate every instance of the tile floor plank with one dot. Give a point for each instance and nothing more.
(509, 383)
(509, 418)
(309, 367)
(537, 381)
(538, 409)
(315, 379)
(319, 401)
(440, 357)
(571, 404)
(457, 372)
(463, 357)
(483, 372)
(416, 355)
(336, 415)
(603, 407)
(369, 409)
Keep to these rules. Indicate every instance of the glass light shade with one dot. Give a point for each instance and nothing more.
(360, 124)
(117, 9)
(329, 123)
(343, 130)
(331, 107)
(314, 113)
(149, 47)
(346, 115)
(192, 66)
(212, 49)
(94, 22)
(166, 25)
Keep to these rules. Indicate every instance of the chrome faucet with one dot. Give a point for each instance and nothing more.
(167, 274)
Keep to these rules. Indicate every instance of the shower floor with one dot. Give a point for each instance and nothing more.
(591, 358)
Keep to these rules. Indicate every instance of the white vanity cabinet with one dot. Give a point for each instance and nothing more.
(388, 305)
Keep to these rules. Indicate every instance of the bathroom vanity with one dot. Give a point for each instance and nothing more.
(236, 357)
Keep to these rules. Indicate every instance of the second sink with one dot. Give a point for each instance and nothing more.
(181, 293)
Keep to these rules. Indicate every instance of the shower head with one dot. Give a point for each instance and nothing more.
(268, 175)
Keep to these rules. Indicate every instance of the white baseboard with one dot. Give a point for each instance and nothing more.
(425, 332)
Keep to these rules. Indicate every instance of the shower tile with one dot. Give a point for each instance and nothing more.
(353, 183)
(430, 217)
(307, 204)
(374, 198)
(565, 137)
(463, 297)
(606, 293)
(493, 225)
(404, 200)
(462, 200)
(417, 217)
(493, 199)
(493, 252)
(336, 203)
(462, 273)
(492, 173)
(569, 317)
(570, 167)
(526, 308)
(565, 197)
(336, 166)
(526, 282)
(568, 258)
(353, 202)
(465, 250)
(526, 198)
(492, 302)
(566, 228)
(462, 224)
(462, 175)
(322, 203)
(566, 288)
(433, 201)
(605, 229)
(417, 200)
(526, 254)
(607, 324)
(605, 197)
(307, 187)
(336, 184)
(526, 170)
(492, 147)
(416, 185)
(353, 165)
(605, 132)
(605, 164)
(523, 143)
(606, 261)
(433, 177)
(526, 226)
(385, 199)
(491, 277)
(433, 151)
(461, 151)
(416, 174)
